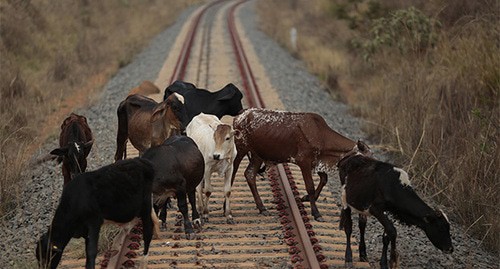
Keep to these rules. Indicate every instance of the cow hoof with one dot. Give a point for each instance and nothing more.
(320, 219)
(230, 220)
(190, 236)
(349, 265)
(363, 258)
(197, 224)
(264, 212)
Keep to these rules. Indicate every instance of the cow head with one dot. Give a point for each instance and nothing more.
(231, 95)
(47, 253)
(437, 228)
(224, 141)
(168, 117)
(179, 87)
(74, 156)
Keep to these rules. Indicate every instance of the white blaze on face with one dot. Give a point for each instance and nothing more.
(403, 177)
(77, 147)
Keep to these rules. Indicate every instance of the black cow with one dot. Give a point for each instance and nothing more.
(226, 101)
(371, 187)
(75, 142)
(119, 192)
(180, 166)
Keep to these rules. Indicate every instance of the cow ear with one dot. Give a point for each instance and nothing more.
(159, 112)
(213, 125)
(60, 151)
(363, 147)
(227, 92)
(237, 134)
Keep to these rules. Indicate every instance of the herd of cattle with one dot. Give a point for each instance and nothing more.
(181, 142)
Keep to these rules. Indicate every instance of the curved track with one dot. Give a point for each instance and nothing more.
(287, 237)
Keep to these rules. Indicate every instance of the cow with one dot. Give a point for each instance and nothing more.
(304, 139)
(179, 167)
(148, 123)
(119, 193)
(375, 188)
(75, 143)
(226, 101)
(145, 88)
(216, 143)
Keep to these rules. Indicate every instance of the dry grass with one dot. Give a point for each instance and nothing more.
(436, 108)
(55, 57)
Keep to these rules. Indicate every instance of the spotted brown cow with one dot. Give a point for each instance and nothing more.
(302, 138)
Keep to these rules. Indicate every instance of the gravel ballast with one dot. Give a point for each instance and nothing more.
(299, 91)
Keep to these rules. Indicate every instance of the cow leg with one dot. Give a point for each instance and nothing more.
(236, 164)
(206, 192)
(323, 179)
(199, 201)
(147, 230)
(362, 244)
(156, 224)
(227, 194)
(194, 213)
(91, 243)
(389, 236)
(308, 181)
(346, 224)
(182, 204)
(250, 174)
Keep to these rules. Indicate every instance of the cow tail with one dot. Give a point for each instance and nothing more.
(122, 134)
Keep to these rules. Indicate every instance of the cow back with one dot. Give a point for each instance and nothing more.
(178, 162)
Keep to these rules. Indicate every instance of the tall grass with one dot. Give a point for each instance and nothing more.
(54, 57)
(432, 99)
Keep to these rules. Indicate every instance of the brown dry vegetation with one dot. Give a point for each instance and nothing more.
(430, 94)
(55, 56)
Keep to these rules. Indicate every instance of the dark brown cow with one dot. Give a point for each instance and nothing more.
(179, 169)
(148, 123)
(280, 137)
(75, 142)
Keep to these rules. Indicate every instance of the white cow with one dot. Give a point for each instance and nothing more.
(216, 143)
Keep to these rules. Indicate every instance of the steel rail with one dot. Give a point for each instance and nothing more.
(254, 98)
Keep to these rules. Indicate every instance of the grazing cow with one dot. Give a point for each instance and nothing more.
(75, 142)
(120, 193)
(226, 101)
(371, 187)
(179, 169)
(216, 143)
(302, 138)
(148, 123)
(145, 88)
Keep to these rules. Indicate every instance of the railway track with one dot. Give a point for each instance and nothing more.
(286, 237)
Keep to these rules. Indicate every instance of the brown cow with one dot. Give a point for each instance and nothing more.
(145, 88)
(280, 137)
(75, 142)
(148, 123)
